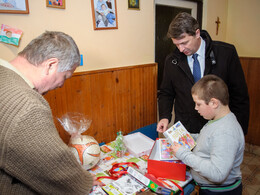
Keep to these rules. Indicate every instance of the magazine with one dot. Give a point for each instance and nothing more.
(178, 133)
(125, 185)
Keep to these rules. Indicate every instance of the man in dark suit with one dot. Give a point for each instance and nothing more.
(212, 57)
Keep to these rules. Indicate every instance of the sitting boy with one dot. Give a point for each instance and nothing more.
(216, 159)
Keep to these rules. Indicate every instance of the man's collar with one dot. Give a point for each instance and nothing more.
(201, 50)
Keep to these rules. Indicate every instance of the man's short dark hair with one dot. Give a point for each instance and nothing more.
(182, 23)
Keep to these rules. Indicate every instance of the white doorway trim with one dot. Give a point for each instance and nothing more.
(180, 3)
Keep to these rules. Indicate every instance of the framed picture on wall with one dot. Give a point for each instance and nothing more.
(104, 14)
(56, 3)
(134, 4)
(14, 6)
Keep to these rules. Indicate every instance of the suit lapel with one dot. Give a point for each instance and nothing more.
(207, 66)
(185, 67)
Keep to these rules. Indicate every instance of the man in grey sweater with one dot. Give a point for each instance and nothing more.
(33, 158)
(216, 159)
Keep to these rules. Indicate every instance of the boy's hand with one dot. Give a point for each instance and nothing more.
(175, 147)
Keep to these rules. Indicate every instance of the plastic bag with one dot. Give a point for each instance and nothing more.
(85, 148)
(75, 124)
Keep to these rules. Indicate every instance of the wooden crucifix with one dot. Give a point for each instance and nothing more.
(217, 23)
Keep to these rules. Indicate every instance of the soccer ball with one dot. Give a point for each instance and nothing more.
(86, 150)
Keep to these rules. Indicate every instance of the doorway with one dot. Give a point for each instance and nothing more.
(165, 11)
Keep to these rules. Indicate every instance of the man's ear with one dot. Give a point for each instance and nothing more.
(197, 33)
(50, 66)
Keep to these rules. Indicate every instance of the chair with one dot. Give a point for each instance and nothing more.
(149, 131)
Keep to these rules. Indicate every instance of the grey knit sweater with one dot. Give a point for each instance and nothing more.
(219, 152)
(33, 158)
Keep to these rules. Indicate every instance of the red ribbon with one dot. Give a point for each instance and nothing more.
(115, 174)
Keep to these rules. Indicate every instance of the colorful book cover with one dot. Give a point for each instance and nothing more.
(178, 133)
(165, 152)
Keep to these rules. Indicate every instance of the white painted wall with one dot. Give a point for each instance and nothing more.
(133, 42)
(239, 24)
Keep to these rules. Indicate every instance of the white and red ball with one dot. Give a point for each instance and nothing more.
(86, 150)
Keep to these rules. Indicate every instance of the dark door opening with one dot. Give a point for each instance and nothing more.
(163, 44)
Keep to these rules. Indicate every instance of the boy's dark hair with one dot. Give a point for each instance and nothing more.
(182, 23)
(211, 86)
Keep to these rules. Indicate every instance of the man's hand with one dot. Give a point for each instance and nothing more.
(95, 181)
(175, 147)
(162, 125)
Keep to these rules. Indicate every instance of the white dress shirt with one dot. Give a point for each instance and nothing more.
(201, 58)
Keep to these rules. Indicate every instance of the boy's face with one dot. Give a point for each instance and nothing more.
(205, 110)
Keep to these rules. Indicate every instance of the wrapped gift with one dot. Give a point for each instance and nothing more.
(170, 169)
(85, 148)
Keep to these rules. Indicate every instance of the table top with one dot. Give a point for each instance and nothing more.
(108, 159)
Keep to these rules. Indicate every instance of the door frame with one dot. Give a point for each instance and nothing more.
(179, 3)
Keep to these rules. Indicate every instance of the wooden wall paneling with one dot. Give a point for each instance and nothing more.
(110, 111)
(140, 85)
(150, 93)
(136, 98)
(146, 88)
(251, 67)
(114, 99)
(95, 105)
(79, 98)
(102, 106)
(122, 99)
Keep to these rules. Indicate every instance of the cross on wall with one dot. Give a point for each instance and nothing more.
(217, 23)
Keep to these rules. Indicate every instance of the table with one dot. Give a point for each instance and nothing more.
(108, 159)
